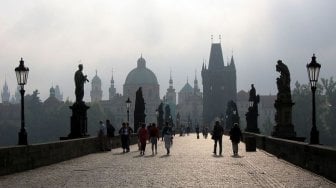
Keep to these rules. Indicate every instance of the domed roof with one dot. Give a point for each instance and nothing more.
(141, 74)
(96, 79)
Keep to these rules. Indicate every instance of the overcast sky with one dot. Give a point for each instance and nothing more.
(52, 36)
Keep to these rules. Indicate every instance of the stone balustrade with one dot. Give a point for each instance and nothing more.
(19, 158)
(316, 158)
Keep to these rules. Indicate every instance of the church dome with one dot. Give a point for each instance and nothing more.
(96, 79)
(141, 74)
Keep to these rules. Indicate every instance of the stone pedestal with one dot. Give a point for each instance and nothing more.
(78, 121)
(252, 121)
(283, 117)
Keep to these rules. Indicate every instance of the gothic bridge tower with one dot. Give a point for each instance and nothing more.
(219, 84)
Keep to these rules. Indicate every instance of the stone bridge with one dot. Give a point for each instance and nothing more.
(191, 164)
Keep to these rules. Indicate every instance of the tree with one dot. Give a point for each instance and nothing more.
(139, 109)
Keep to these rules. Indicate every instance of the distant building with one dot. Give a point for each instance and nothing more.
(5, 94)
(143, 77)
(58, 93)
(115, 106)
(170, 98)
(112, 89)
(190, 104)
(219, 85)
(51, 102)
(96, 89)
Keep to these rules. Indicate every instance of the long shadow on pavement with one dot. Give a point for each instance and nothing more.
(217, 156)
(164, 156)
(233, 156)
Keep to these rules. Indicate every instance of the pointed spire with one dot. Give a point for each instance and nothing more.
(112, 80)
(220, 38)
(211, 39)
(170, 79)
(195, 82)
(195, 75)
(96, 72)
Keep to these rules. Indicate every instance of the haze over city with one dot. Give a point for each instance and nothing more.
(54, 36)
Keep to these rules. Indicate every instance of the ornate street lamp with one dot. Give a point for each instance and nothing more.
(313, 69)
(22, 75)
(128, 105)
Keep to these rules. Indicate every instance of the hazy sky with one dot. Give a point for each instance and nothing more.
(52, 36)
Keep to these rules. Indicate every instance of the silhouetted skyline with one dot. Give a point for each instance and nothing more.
(53, 37)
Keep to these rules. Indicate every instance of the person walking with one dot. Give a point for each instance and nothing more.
(124, 136)
(130, 131)
(167, 136)
(142, 135)
(217, 135)
(154, 137)
(110, 133)
(102, 136)
(235, 137)
(197, 132)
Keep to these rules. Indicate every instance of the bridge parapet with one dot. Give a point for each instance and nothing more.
(316, 158)
(19, 158)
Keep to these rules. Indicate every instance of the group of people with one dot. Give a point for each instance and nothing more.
(235, 137)
(105, 135)
(151, 133)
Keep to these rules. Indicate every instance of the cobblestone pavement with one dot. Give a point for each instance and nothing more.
(191, 164)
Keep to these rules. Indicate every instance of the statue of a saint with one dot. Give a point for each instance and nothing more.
(252, 93)
(80, 79)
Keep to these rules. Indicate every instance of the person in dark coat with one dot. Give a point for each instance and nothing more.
(217, 135)
(110, 133)
(235, 137)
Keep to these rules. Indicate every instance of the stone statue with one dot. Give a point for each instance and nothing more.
(252, 113)
(80, 79)
(283, 82)
(253, 95)
(283, 105)
(232, 115)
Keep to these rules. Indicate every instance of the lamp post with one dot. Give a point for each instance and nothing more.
(22, 76)
(128, 105)
(313, 69)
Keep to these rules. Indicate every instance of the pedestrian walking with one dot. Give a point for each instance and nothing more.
(197, 132)
(124, 133)
(143, 136)
(130, 132)
(167, 136)
(154, 137)
(235, 137)
(217, 135)
(110, 133)
(102, 136)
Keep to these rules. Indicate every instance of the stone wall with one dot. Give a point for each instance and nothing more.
(316, 158)
(20, 158)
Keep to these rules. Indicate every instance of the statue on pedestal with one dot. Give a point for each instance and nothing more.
(252, 114)
(78, 128)
(283, 104)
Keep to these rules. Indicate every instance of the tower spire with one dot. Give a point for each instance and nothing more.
(170, 79)
(211, 39)
(220, 38)
(112, 80)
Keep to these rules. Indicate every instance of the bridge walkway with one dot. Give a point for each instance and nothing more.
(190, 164)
